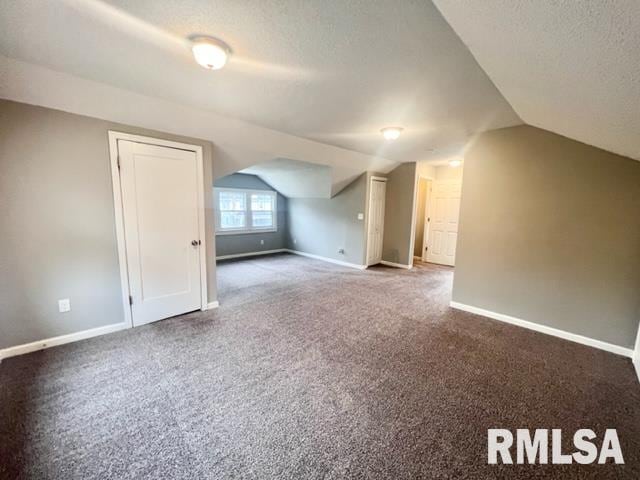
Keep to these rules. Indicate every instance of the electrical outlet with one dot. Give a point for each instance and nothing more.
(361, 216)
(341, 251)
(261, 242)
(295, 241)
(64, 305)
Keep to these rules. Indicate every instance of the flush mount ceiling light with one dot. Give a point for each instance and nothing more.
(391, 133)
(455, 163)
(210, 52)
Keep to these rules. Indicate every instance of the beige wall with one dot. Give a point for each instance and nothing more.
(58, 235)
(445, 172)
(398, 214)
(550, 233)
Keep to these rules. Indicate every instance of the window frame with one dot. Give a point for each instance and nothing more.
(248, 229)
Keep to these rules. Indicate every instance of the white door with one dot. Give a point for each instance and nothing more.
(160, 204)
(443, 225)
(375, 229)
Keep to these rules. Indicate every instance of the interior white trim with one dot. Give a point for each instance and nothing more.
(427, 214)
(396, 265)
(414, 215)
(212, 305)
(251, 254)
(327, 259)
(114, 136)
(636, 354)
(61, 340)
(573, 337)
(120, 237)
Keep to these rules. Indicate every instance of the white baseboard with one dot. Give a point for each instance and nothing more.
(61, 340)
(396, 265)
(212, 305)
(327, 259)
(251, 254)
(591, 342)
(636, 364)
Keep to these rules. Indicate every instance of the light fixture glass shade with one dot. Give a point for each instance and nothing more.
(391, 133)
(455, 163)
(209, 53)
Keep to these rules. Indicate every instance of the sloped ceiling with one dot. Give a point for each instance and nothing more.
(570, 67)
(335, 72)
(293, 178)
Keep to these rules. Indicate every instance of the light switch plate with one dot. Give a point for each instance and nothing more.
(64, 305)
(361, 216)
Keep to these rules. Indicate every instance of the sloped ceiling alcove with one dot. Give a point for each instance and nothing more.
(295, 179)
(569, 67)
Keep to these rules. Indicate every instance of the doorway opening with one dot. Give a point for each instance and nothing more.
(421, 231)
(437, 213)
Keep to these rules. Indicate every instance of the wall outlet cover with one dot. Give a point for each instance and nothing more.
(361, 216)
(64, 305)
(261, 242)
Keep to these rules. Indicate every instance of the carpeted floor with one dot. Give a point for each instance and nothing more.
(310, 370)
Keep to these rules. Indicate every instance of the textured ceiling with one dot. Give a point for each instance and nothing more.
(293, 178)
(570, 67)
(332, 71)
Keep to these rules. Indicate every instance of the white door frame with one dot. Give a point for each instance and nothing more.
(372, 178)
(427, 214)
(114, 136)
(414, 215)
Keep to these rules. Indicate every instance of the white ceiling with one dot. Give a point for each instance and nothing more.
(294, 179)
(570, 67)
(335, 72)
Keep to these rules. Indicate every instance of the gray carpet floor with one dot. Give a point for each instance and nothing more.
(310, 370)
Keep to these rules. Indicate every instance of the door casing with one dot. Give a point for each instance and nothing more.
(368, 217)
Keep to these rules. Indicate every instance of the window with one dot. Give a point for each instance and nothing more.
(245, 211)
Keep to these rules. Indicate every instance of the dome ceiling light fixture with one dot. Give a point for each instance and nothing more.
(456, 162)
(210, 52)
(391, 133)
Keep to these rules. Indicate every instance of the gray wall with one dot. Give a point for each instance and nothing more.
(322, 226)
(250, 242)
(398, 214)
(550, 233)
(58, 235)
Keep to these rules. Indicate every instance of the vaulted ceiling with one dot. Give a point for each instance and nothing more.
(570, 67)
(332, 71)
(324, 77)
